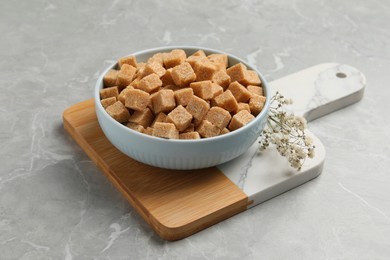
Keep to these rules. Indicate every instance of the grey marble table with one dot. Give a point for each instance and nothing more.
(56, 204)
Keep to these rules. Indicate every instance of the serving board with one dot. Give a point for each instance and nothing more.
(177, 203)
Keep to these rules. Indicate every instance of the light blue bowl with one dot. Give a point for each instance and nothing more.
(181, 154)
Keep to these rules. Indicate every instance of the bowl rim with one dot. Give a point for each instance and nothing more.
(218, 138)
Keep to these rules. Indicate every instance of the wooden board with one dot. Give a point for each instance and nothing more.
(177, 204)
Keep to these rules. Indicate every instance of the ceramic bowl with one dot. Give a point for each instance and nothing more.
(180, 154)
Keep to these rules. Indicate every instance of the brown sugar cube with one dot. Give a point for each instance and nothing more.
(130, 60)
(135, 82)
(109, 92)
(227, 101)
(165, 130)
(161, 117)
(109, 80)
(140, 69)
(221, 78)
(123, 94)
(119, 112)
(237, 72)
(207, 129)
(150, 83)
(205, 70)
(183, 95)
(180, 118)
(163, 101)
(202, 89)
(192, 60)
(240, 119)
(197, 107)
(108, 101)
(140, 65)
(158, 57)
(243, 106)
(213, 103)
(150, 105)
(239, 92)
(197, 122)
(153, 67)
(221, 60)
(174, 58)
(251, 78)
(225, 131)
(157, 90)
(198, 53)
(167, 78)
(256, 104)
(125, 75)
(190, 128)
(137, 99)
(216, 89)
(255, 90)
(189, 135)
(173, 87)
(197, 56)
(144, 117)
(218, 117)
(183, 74)
(136, 127)
(148, 130)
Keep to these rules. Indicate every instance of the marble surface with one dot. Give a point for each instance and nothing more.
(54, 202)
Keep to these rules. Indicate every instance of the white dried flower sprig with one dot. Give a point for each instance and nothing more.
(287, 132)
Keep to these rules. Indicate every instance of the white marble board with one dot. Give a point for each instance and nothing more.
(316, 91)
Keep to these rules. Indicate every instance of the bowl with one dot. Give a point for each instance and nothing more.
(181, 154)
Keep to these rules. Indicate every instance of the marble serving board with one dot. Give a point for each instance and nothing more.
(177, 204)
(316, 91)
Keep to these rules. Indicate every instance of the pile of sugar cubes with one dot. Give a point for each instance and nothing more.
(178, 97)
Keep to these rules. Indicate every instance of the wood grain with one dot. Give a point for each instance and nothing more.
(175, 203)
